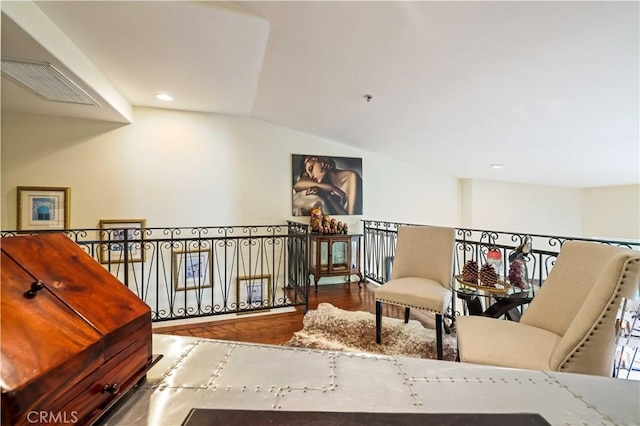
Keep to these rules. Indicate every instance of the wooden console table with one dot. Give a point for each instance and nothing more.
(334, 255)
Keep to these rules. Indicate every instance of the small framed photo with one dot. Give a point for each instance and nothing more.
(42, 207)
(114, 233)
(193, 269)
(254, 291)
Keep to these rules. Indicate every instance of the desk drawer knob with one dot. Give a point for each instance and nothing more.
(33, 291)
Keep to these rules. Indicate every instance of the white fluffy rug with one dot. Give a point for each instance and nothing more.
(332, 328)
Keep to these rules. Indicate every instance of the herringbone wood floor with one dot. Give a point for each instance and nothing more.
(278, 328)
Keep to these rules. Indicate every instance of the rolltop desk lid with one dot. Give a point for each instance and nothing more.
(74, 339)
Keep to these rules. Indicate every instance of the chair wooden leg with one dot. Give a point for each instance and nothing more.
(439, 336)
(406, 315)
(378, 322)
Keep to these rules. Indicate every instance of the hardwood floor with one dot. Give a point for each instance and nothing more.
(274, 328)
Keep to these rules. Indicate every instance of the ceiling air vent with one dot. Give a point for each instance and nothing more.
(45, 81)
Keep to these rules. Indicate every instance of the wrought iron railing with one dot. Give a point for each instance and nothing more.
(471, 244)
(380, 244)
(187, 272)
(193, 272)
(298, 265)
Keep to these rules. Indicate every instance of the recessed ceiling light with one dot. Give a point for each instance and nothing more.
(164, 97)
(498, 166)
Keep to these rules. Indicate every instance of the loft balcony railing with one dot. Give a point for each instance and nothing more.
(471, 244)
(188, 272)
(203, 271)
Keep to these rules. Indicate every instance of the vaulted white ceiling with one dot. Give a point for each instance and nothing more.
(549, 88)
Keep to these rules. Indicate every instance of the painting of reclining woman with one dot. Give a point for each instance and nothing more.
(333, 184)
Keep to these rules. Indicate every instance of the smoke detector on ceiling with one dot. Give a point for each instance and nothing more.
(45, 81)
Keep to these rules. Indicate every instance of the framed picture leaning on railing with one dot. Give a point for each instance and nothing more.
(121, 240)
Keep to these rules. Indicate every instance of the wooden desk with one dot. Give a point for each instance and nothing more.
(334, 255)
(74, 339)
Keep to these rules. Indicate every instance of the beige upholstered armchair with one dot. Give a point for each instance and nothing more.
(421, 276)
(570, 324)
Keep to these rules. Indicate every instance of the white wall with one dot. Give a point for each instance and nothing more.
(612, 212)
(525, 208)
(193, 169)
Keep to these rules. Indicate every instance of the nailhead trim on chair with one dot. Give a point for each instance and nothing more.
(615, 298)
(408, 306)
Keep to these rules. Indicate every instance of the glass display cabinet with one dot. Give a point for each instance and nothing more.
(334, 255)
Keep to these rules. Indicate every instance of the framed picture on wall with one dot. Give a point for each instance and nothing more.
(333, 184)
(121, 240)
(192, 269)
(253, 291)
(41, 207)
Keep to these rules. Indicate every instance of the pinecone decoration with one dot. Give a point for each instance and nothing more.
(470, 272)
(488, 275)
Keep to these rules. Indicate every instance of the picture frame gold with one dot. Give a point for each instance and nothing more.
(43, 208)
(251, 291)
(112, 236)
(192, 269)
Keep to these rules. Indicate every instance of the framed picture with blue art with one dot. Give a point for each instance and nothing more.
(253, 292)
(122, 240)
(192, 269)
(42, 208)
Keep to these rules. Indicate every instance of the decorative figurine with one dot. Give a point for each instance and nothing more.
(316, 220)
(518, 273)
(326, 223)
(523, 250)
(494, 258)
